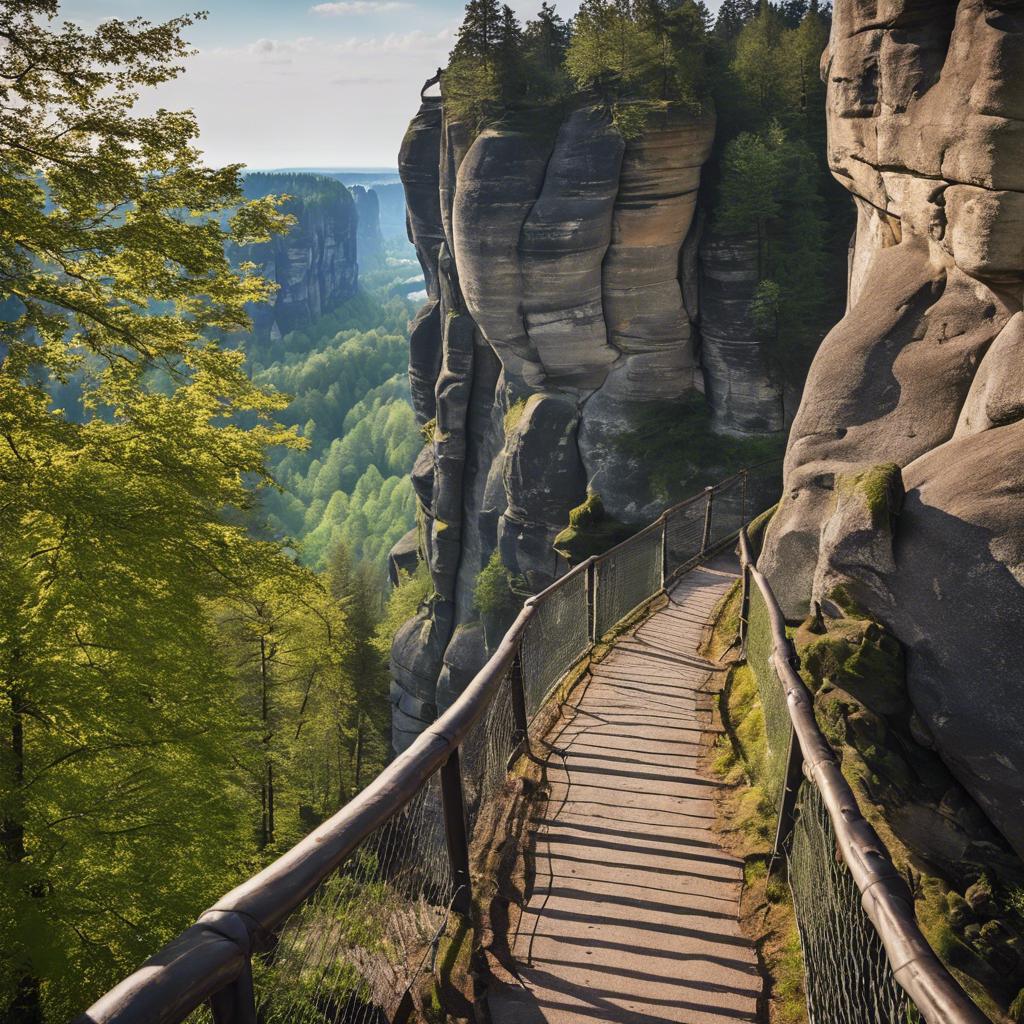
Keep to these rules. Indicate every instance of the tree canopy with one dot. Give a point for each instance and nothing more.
(141, 623)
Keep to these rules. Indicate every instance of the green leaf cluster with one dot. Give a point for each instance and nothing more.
(177, 697)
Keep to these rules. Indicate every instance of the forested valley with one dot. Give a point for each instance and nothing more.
(198, 498)
(196, 509)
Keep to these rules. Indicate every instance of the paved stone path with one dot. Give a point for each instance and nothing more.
(634, 912)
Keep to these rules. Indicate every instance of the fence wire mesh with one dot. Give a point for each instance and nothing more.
(351, 952)
(684, 531)
(777, 724)
(848, 975)
(557, 636)
(486, 750)
(728, 509)
(625, 578)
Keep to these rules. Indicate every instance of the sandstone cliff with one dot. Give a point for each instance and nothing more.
(925, 372)
(315, 263)
(369, 239)
(562, 282)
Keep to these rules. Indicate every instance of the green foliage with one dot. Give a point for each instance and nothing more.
(165, 677)
(591, 531)
(878, 487)
(121, 718)
(494, 594)
(403, 603)
(677, 442)
(514, 414)
(770, 179)
(630, 119)
(350, 403)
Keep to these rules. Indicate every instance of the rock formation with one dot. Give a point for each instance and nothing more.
(315, 263)
(561, 274)
(369, 240)
(925, 372)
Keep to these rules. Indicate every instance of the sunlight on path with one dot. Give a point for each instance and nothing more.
(634, 912)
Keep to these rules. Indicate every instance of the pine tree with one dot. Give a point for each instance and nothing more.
(509, 56)
(732, 16)
(480, 31)
(545, 39)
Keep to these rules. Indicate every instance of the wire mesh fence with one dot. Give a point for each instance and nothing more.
(728, 510)
(684, 534)
(626, 577)
(487, 750)
(839, 941)
(352, 952)
(777, 723)
(557, 636)
(349, 953)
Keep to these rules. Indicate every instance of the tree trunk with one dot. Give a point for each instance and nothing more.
(25, 1008)
(267, 786)
(359, 749)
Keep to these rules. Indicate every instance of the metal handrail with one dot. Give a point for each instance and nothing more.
(885, 896)
(211, 960)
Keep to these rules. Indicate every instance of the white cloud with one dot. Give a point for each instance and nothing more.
(396, 42)
(339, 98)
(359, 7)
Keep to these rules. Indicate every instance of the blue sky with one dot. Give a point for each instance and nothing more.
(282, 83)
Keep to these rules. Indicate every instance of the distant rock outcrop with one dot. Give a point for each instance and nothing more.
(926, 371)
(369, 240)
(315, 263)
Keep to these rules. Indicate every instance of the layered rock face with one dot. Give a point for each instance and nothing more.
(926, 371)
(560, 272)
(743, 398)
(315, 264)
(369, 240)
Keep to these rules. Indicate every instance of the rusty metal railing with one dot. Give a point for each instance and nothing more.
(338, 927)
(865, 957)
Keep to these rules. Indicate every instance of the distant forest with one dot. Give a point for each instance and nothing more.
(347, 378)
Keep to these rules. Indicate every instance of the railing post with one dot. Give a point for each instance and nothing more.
(744, 609)
(592, 601)
(794, 776)
(236, 1004)
(705, 541)
(455, 832)
(519, 705)
(743, 497)
(787, 806)
(664, 549)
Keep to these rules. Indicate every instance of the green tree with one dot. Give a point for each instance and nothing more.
(752, 179)
(358, 591)
(545, 40)
(611, 49)
(290, 644)
(121, 520)
(732, 16)
(759, 63)
(509, 57)
(471, 84)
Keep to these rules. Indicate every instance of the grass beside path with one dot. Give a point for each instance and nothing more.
(746, 821)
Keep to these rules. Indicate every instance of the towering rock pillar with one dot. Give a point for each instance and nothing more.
(926, 373)
(556, 313)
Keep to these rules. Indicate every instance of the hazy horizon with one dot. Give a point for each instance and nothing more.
(326, 85)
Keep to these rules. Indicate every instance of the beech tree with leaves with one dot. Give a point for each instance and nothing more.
(120, 723)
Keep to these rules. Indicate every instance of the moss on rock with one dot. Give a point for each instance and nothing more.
(591, 531)
(880, 487)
